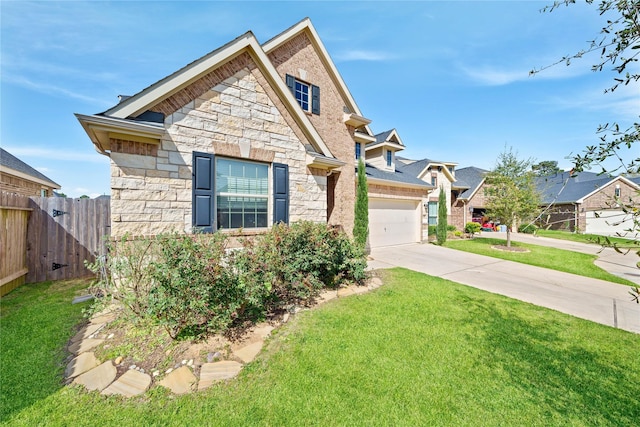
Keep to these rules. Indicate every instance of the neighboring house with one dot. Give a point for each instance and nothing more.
(18, 177)
(395, 195)
(468, 196)
(587, 202)
(436, 175)
(242, 138)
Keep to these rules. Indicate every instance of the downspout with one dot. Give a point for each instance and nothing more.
(575, 218)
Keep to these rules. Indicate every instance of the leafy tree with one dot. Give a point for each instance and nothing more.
(84, 196)
(361, 223)
(619, 47)
(441, 226)
(545, 168)
(510, 193)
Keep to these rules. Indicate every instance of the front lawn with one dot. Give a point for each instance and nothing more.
(540, 256)
(589, 238)
(418, 351)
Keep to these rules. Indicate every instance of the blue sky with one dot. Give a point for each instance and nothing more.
(451, 77)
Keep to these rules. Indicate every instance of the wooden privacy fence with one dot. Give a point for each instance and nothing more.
(49, 238)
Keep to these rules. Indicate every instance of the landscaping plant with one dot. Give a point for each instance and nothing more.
(441, 226)
(361, 222)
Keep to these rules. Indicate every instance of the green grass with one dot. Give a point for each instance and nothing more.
(418, 351)
(588, 238)
(36, 321)
(540, 256)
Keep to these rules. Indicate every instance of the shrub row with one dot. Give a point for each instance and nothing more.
(194, 285)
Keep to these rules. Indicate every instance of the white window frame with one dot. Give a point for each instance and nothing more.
(265, 197)
(298, 93)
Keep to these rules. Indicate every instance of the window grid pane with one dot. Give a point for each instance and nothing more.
(302, 95)
(234, 180)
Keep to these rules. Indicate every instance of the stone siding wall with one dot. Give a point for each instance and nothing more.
(299, 58)
(236, 117)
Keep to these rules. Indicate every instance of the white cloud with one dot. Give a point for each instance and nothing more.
(50, 154)
(363, 55)
(50, 89)
(496, 76)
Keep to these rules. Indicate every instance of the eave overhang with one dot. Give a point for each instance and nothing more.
(389, 182)
(363, 137)
(102, 129)
(387, 144)
(353, 119)
(27, 177)
(318, 161)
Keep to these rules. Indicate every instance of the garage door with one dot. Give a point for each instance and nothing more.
(393, 222)
(608, 222)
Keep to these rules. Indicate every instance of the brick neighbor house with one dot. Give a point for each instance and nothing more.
(246, 136)
(18, 177)
(587, 202)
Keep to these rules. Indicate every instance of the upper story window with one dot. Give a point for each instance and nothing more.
(617, 192)
(451, 169)
(358, 150)
(389, 156)
(307, 95)
(434, 179)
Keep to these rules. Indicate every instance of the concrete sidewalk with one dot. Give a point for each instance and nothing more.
(596, 300)
(609, 260)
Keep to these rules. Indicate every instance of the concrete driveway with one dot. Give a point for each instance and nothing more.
(596, 300)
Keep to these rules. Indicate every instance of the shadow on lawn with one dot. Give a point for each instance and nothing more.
(565, 371)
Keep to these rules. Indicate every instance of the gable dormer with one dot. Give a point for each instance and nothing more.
(381, 153)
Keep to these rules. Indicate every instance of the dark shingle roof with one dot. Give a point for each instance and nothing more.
(10, 161)
(382, 137)
(564, 188)
(398, 176)
(470, 178)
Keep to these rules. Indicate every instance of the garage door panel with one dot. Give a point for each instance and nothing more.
(393, 222)
(608, 222)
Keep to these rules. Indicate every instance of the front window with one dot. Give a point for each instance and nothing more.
(242, 192)
(434, 179)
(358, 148)
(389, 154)
(301, 93)
(433, 213)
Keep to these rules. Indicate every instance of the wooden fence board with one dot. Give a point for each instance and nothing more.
(66, 239)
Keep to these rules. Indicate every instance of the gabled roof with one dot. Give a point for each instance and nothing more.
(563, 188)
(389, 138)
(307, 27)
(134, 106)
(399, 176)
(12, 165)
(470, 179)
(418, 168)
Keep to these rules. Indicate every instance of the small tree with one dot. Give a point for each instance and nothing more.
(545, 168)
(441, 227)
(361, 223)
(511, 193)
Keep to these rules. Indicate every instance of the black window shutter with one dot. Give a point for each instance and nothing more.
(315, 99)
(291, 83)
(280, 193)
(203, 193)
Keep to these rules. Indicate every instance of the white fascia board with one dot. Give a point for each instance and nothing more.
(397, 183)
(396, 147)
(613, 180)
(172, 84)
(306, 25)
(27, 177)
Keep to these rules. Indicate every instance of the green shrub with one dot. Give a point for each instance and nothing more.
(124, 274)
(441, 227)
(472, 228)
(457, 233)
(451, 227)
(527, 228)
(195, 291)
(295, 262)
(432, 230)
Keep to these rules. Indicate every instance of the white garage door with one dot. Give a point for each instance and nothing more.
(393, 222)
(608, 222)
